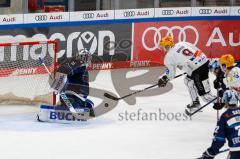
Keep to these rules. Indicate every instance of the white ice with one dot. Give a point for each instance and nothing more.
(107, 137)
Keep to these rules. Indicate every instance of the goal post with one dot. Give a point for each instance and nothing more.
(23, 79)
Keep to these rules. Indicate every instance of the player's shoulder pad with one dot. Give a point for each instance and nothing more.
(225, 115)
(235, 71)
(75, 63)
(230, 112)
(183, 43)
(68, 65)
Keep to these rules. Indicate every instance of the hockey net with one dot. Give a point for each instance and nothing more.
(23, 79)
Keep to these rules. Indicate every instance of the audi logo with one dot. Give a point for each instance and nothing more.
(41, 18)
(88, 15)
(158, 34)
(129, 14)
(205, 11)
(167, 12)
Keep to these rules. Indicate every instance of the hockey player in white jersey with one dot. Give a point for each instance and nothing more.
(194, 62)
(232, 72)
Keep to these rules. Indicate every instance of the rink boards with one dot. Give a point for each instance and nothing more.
(128, 38)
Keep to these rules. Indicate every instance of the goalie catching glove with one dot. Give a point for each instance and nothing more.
(162, 82)
(58, 82)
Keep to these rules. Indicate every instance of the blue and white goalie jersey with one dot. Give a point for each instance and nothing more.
(77, 75)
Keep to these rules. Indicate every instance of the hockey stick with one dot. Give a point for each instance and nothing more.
(62, 94)
(218, 101)
(226, 150)
(191, 114)
(116, 98)
(223, 151)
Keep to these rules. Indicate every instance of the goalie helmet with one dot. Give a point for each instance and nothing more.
(84, 56)
(227, 60)
(167, 41)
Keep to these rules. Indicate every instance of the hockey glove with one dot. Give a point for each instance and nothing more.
(217, 84)
(207, 155)
(218, 106)
(220, 93)
(59, 82)
(162, 82)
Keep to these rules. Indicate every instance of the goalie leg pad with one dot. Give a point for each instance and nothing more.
(89, 104)
(79, 101)
(56, 114)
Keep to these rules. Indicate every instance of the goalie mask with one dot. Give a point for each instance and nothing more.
(85, 57)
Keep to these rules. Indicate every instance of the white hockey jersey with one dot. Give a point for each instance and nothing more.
(233, 78)
(184, 56)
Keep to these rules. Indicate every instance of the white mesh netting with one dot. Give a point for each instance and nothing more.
(23, 79)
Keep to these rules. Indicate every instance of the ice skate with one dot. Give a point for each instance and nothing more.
(193, 107)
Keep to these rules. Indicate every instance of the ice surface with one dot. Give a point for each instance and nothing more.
(107, 137)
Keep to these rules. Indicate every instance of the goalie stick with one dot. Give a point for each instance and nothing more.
(226, 150)
(75, 113)
(119, 98)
